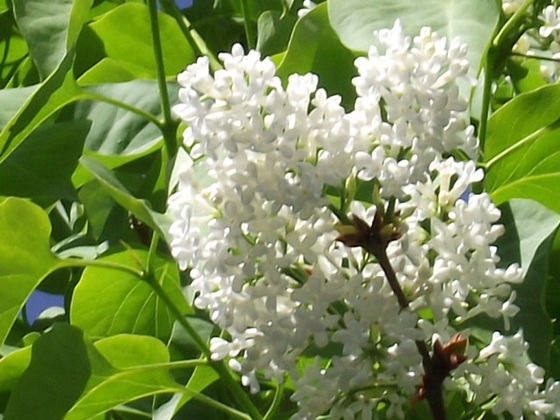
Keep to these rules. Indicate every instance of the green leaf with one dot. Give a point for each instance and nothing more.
(521, 152)
(553, 285)
(117, 131)
(25, 256)
(126, 350)
(223, 28)
(473, 21)
(12, 100)
(106, 219)
(127, 304)
(202, 378)
(182, 347)
(125, 32)
(57, 375)
(530, 231)
(139, 208)
(135, 372)
(315, 47)
(41, 167)
(107, 70)
(81, 175)
(14, 54)
(274, 30)
(12, 367)
(527, 75)
(57, 91)
(554, 370)
(70, 378)
(50, 29)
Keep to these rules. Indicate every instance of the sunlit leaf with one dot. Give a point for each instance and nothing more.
(57, 91)
(117, 131)
(473, 21)
(12, 367)
(107, 70)
(70, 378)
(50, 28)
(134, 374)
(521, 151)
(12, 100)
(126, 35)
(25, 256)
(57, 375)
(126, 303)
(183, 346)
(202, 378)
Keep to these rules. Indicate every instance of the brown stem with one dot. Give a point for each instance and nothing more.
(383, 260)
(433, 386)
(433, 378)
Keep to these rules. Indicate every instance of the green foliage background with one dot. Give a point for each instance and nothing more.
(87, 154)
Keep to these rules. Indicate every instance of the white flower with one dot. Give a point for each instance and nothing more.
(551, 19)
(308, 6)
(511, 6)
(502, 370)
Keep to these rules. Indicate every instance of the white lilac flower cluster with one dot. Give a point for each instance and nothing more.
(254, 221)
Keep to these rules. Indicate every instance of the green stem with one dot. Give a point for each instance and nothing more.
(278, 395)
(511, 24)
(152, 253)
(536, 57)
(162, 294)
(219, 366)
(486, 94)
(169, 126)
(249, 33)
(503, 40)
(339, 214)
(390, 211)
